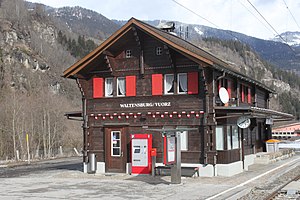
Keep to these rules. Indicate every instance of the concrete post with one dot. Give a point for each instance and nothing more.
(176, 168)
(153, 165)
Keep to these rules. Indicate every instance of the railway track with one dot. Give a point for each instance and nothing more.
(284, 193)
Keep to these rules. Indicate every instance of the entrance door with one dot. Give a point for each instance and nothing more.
(116, 152)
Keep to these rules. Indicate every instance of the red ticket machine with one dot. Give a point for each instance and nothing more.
(141, 145)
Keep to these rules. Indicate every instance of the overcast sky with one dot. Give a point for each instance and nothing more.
(235, 15)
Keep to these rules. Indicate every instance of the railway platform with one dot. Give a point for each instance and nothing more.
(60, 182)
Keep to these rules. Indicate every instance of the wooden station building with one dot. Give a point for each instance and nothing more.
(144, 78)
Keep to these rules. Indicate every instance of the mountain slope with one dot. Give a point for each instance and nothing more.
(33, 95)
(275, 52)
(291, 38)
(85, 22)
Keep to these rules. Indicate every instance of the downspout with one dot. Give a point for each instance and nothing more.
(85, 122)
(224, 73)
(214, 104)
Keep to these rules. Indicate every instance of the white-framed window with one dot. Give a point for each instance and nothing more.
(115, 143)
(183, 139)
(128, 53)
(219, 138)
(235, 137)
(121, 87)
(232, 137)
(182, 83)
(158, 51)
(109, 87)
(169, 84)
(229, 142)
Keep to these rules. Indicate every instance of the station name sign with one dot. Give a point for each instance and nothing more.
(145, 105)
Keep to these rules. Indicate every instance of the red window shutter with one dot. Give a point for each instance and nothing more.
(243, 93)
(249, 95)
(130, 86)
(229, 87)
(157, 84)
(97, 87)
(193, 83)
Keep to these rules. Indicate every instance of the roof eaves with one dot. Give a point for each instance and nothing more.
(69, 73)
(244, 77)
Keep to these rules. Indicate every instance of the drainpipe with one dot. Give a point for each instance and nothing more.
(224, 73)
(85, 122)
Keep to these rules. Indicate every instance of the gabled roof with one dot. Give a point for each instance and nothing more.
(178, 44)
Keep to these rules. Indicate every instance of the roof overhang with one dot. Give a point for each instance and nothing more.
(74, 115)
(254, 112)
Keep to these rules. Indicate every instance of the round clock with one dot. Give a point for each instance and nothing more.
(243, 122)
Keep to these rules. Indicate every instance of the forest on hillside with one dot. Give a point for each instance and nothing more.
(34, 97)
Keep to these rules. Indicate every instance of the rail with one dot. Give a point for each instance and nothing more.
(274, 195)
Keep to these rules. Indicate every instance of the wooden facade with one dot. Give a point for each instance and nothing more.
(143, 78)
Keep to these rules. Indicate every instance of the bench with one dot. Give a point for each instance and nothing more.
(185, 171)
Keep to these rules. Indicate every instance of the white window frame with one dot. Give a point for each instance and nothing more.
(112, 85)
(235, 141)
(165, 84)
(178, 83)
(229, 138)
(158, 51)
(112, 147)
(220, 138)
(184, 140)
(128, 53)
(118, 82)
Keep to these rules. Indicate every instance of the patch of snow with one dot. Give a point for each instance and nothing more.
(198, 30)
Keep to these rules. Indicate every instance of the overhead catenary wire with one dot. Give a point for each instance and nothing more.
(291, 13)
(196, 14)
(271, 26)
(229, 32)
(256, 17)
(215, 25)
(266, 21)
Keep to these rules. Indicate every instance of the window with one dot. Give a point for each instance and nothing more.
(183, 139)
(187, 83)
(232, 137)
(121, 89)
(249, 97)
(158, 51)
(229, 142)
(226, 83)
(235, 137)
(116, 143)
(245, 94)
(128, 54)
(219, 138)
(182, 83)
(169, 84)
(109, 87)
